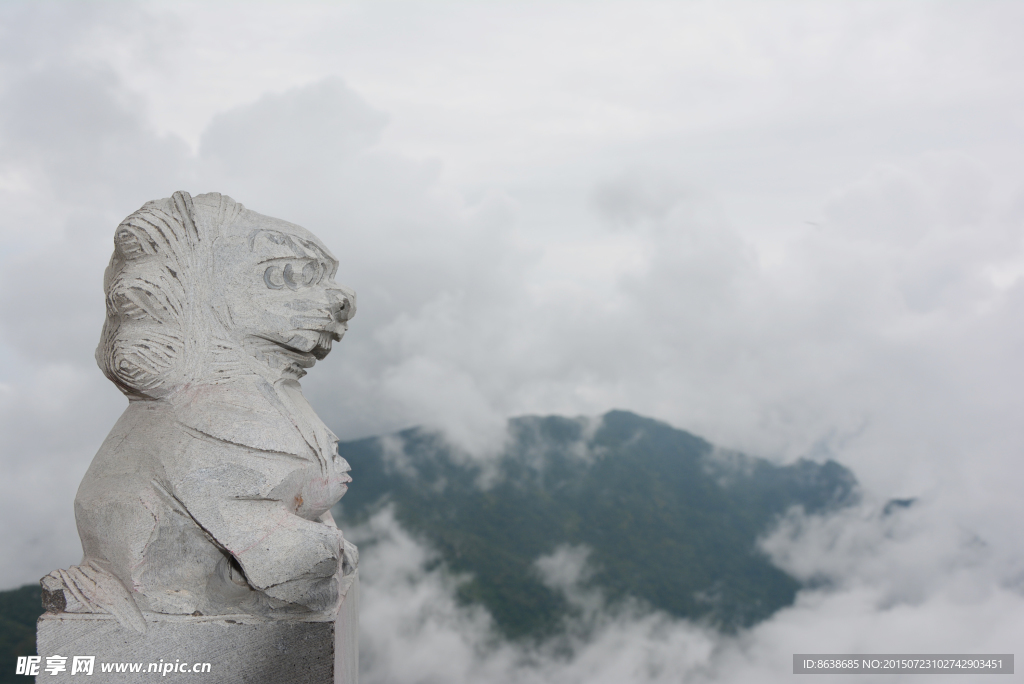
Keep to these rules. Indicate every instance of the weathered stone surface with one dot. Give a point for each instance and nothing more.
(211, 495)
(239, 648)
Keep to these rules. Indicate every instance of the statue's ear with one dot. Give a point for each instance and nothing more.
(129, 245)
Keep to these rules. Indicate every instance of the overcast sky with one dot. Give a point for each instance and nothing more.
(792, 228)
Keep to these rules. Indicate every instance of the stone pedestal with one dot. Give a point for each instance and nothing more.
(239, 648)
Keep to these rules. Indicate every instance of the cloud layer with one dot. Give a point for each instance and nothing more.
(900, 582)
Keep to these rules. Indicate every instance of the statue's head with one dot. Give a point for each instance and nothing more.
(202, 289)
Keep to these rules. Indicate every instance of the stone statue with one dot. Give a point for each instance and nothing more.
(212, 494)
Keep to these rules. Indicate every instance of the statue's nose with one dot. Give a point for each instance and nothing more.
(343, 304)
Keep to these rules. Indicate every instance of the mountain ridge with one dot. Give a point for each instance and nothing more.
(671, 520)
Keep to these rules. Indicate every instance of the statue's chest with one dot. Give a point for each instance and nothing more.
(261, 442)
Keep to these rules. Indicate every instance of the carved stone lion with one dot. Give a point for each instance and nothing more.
(212, 493)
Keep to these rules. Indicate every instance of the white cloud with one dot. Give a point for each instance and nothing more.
(567, 569)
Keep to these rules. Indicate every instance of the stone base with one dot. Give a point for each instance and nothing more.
(239, 648)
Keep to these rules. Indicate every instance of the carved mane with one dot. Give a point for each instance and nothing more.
(154, 308)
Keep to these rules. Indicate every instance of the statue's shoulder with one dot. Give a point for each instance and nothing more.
(132, 450)
(246, 414)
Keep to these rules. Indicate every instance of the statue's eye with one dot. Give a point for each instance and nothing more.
(310, 273)
(293, 274)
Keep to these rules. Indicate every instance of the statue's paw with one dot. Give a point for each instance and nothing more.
(318, 595)
(350, 558)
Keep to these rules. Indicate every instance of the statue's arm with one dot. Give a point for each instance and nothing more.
(282, 554)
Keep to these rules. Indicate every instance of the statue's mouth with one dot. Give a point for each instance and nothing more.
(305, 347)
(323, 346)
